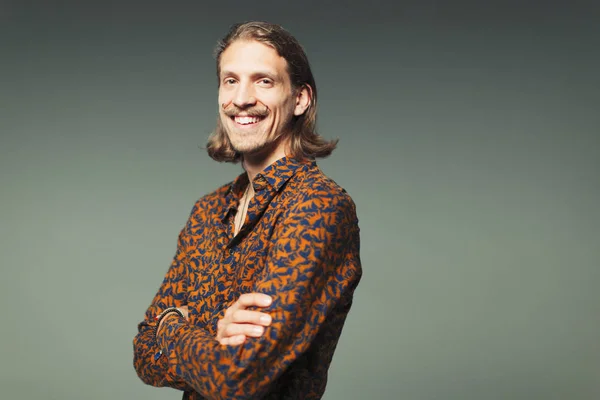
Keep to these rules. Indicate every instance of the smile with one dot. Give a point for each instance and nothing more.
(246, 120)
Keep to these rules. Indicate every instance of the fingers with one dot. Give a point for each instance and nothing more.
(243, 329)
(249, 300)
(254, 299)
(238, 323)
(233, 340)
(250, 317)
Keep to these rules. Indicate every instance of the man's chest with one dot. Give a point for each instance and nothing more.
(220, 268)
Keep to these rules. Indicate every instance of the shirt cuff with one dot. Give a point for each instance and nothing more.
(166, 334)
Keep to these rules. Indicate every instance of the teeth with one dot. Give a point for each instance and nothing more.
(246, 120)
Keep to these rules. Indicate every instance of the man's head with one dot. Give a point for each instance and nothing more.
(267, 96)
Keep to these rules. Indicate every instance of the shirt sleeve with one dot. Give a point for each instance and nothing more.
(312, 268)
(153, 370)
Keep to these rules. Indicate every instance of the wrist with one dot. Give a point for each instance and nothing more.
(163, 316)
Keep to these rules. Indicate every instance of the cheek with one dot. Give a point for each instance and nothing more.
(223, 100)
(289, 105)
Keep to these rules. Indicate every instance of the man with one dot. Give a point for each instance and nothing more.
(263, 278)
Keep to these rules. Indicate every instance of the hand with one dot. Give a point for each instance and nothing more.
(184, 310)
(239, 323)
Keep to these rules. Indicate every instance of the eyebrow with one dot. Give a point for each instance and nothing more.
(254, 75)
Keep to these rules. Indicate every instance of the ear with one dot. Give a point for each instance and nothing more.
(303, 100)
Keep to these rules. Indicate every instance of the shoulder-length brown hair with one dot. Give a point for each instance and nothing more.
(305, 142)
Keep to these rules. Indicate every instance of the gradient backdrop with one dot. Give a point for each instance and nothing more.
(470, 141)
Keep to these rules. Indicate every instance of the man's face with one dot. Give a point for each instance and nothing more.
(255, 96)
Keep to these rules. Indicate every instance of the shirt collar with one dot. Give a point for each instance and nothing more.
(275, 175)
(272, 177)
(278, 173)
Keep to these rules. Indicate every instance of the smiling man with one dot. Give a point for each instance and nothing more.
(266, 266)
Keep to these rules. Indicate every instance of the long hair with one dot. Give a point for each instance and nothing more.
(305, 142)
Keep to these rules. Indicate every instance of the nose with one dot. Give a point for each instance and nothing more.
(244, 96)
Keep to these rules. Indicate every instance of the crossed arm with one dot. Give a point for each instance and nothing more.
(313, 267)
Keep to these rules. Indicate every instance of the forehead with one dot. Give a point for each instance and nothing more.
(249, 56)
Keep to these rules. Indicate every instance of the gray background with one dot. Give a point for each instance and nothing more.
(469, 141)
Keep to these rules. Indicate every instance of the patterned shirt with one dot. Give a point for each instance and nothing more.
(299, 244)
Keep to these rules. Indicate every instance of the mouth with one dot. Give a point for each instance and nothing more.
(246, 120)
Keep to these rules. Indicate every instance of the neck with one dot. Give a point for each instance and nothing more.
(256, 162)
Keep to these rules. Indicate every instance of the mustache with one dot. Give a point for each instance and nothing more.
(234, 110)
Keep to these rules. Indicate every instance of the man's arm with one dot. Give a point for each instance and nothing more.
(172, 293)
(312, 268)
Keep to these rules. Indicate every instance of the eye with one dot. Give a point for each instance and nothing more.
(265, 82)
(229, 81)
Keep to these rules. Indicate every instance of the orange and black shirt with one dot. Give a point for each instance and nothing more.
(299, 244)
